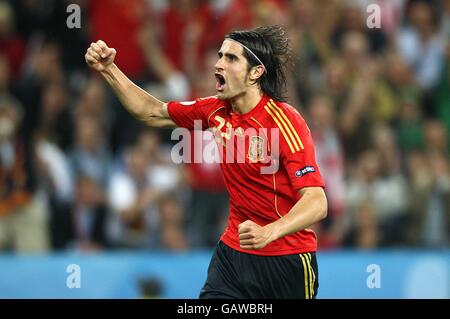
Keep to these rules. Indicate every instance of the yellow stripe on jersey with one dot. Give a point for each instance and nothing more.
(275, 118)
(285, 126)
(305, 275)
(276, 196)
(292, 129)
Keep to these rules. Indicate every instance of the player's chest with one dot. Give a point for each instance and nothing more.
(241, 139)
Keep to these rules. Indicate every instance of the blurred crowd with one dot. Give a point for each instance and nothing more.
(78, 172)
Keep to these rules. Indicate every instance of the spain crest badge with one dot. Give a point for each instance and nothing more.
(256, 149)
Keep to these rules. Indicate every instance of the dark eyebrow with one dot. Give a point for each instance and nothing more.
(230, 56)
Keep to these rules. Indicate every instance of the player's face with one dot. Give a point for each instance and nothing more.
(231, 71)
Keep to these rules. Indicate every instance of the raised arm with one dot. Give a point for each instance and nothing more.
(139, 103)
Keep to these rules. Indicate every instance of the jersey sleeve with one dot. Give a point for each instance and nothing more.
(191, 114)
(297, 151)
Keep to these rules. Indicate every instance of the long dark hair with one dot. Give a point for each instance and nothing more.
(271, 45)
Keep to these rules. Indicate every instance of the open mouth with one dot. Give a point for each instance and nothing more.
(220, 84)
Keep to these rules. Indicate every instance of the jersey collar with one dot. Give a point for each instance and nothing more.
(262, 102)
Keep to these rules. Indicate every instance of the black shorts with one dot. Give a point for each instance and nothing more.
(232, 274)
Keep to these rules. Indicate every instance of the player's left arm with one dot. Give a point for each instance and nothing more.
(310, 209)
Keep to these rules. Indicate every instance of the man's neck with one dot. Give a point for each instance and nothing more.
(246, 102)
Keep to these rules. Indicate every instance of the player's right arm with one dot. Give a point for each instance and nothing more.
(139, 103)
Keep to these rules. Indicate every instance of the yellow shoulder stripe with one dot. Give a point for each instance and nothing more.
(285, 125)
(275, 118)
(291, 127)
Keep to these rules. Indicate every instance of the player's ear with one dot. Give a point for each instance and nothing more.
(256, 72)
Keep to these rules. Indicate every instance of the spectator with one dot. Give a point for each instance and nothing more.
(330, 160)
(410, 128)
(363, 232)
(93, 103)
(118, 23)
(388, 191)
(172, 232)
(441, 95)
(421, 45)
(209, 202)
(11, 45)
(133, 197)
(445, 26)
(429, 224)
(89, 216)
(352, 18)
(179, 20)
(56, 186)
(90, 155)
(23, 219)
(55, 117)
(436, 137)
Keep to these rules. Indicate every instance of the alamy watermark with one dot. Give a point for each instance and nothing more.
(374, 279)
(235, 145)
(374, 19)
(73, 21)
(73, 280)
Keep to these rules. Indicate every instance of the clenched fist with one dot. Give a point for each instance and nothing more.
(99, 56)
(253, 236)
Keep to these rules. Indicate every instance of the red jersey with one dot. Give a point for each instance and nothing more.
(261, 198)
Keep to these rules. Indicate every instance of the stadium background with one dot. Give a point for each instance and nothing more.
(84, 183)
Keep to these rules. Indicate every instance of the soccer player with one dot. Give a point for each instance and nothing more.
(267, 250)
